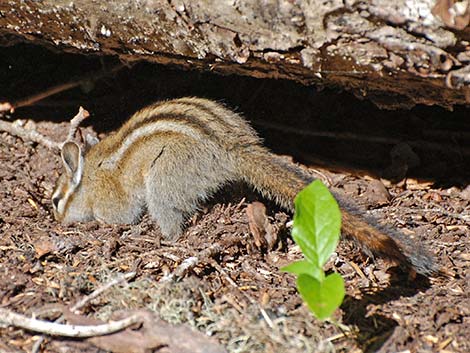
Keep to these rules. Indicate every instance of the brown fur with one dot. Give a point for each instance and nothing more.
(169, 157)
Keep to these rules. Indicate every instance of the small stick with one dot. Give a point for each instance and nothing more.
(76, 121)
(190, 263)
(250, 299)
(15, 129)
(6, 106)
(28, 135)
(225, 274)
(82, 302)
(186, 265)
(98, 291)
(41, 95)
(10, 318)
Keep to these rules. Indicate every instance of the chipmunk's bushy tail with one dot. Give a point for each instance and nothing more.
(281, 180)
(273, 176)
(386, 242)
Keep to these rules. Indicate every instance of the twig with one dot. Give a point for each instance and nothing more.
(10, 318)
(336, 337)
(56, 89)
(251, 300)
(210, 252)
(357, 269)
(98, 291)
(190, 263)
(82, 302)
(225, 274)
(15, 129)
(28, 135)
(187, 264)
(76, 121)
(47, 93)
(266, 317)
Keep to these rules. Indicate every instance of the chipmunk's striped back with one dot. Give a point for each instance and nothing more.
(170, 156)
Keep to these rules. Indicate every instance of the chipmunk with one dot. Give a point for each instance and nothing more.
(171, 156)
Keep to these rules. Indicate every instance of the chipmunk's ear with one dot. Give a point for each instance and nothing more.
(73, 161)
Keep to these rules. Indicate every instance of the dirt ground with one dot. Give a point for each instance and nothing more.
(236, 293)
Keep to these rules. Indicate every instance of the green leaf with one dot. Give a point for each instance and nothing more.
(323, 298)
(317, 223)
(305, 267)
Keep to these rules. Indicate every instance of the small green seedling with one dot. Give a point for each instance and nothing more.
(316, 229)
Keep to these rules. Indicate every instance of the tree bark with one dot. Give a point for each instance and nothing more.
(396, 53)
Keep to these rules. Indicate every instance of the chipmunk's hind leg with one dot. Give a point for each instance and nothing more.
(169, 219)
(185, 174)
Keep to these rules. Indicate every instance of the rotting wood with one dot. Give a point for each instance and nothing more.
(397, 54)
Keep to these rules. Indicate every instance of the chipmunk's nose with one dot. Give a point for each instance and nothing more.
(57, 216)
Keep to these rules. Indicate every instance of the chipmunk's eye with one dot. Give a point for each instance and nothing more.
(55, 201)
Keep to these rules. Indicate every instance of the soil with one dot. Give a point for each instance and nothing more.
(408, 170)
